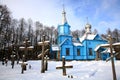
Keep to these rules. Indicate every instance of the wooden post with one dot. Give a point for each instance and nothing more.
(58, 56)
(12, 60)
(23, 60)
(46, 62)
(97, 55)
(112, 59)
(42, 62)
(63, 64)
(64, 67)
(23, 66)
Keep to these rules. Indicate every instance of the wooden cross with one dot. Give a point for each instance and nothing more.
(112, 59)
(116, 47)
(46, 60)
(112, 56)
(43, 43)
(64, 67)
(27, 47)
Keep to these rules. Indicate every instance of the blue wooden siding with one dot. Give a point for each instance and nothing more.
(92, 44)
(63, 52)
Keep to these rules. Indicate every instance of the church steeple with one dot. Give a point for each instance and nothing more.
(64, 29)
(64, 20)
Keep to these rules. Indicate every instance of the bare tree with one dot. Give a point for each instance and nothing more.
(14, 25)
(55, 36)
(5, 18)
(116, 35)
(22, 25)
(109, 32)
(30, 30)
(5, 21)
(76, 33)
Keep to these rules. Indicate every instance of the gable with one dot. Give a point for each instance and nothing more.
(98, 37)
(66, 42)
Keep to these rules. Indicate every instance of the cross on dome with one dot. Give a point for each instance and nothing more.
(88, 27)
(64, 20)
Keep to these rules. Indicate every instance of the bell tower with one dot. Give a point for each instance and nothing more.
(64, 28)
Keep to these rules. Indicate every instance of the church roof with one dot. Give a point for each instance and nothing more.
(88, 37)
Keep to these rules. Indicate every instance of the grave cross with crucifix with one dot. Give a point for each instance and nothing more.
(24, 58)
(42, 55)
(112, 58)
(26, 47)
(112, 46)
(63, 67)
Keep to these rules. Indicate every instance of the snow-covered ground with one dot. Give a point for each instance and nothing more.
(82, 70)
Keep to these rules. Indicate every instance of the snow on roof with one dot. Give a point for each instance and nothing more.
(55, 48)
(108, 51)
(77, 44)
(106, 45)
(100, 46)
(45, 42)
(97, 48)
(31, 47)
(88, 36)
(115, 44)
(21, 47)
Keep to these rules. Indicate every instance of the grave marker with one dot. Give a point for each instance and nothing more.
(63, 67)
(112, 59)
(26, 48)
(43, 43)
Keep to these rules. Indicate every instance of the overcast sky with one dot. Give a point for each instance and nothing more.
(102, 14)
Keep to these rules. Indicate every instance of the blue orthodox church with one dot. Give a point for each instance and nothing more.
(83, 48)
